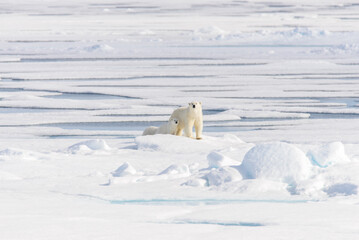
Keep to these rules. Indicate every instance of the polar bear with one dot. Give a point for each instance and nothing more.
(150, 131)
(168, 128)
(188, 117)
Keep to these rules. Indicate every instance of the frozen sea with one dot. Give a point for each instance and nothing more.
(80, 80)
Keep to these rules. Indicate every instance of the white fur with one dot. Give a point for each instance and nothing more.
(168, 128)
(150, 131)
(188, 117)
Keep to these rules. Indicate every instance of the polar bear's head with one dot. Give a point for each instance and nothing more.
(172, 125)
(195, 107)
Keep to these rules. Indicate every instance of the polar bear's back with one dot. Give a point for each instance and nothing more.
(162, 129)
(150, 131)
(179, 112)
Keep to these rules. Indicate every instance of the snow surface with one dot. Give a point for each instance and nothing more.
(280, 162)
(80, 80)
(329, 154)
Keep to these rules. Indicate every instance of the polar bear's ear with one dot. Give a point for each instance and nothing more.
(189, 103)
(200, 103)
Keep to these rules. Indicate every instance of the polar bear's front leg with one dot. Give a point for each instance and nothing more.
(198, 125)
(179, 132)
(188, 129)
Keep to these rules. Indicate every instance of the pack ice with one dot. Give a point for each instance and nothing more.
(80, 80)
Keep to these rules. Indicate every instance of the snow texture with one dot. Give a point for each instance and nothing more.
(222, 175)
(80, 80)
(328, 154)
(217, 160)
(88, 146)
(124, 170)
(276, 161)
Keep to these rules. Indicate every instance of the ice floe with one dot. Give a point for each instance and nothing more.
(279, 85)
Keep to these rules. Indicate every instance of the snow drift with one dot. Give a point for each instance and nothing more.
(328, 154)
(276, 161)
(175, 144)
(90, 146)
(124, 170)
(217, 160)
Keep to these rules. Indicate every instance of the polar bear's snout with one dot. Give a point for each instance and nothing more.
(194, 104)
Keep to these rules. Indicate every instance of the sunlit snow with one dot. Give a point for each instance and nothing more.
(80, 80)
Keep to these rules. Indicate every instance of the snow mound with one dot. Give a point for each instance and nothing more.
(124, 170)
(210, 33)
(329, 154)
(299, 32)
(19, 154)
(99, 48)
(217, 160)
(89, 146)
(276, 161)
(222, 175)
(176, 170)
(176, 144)
(11, 152)
(344, 49)
(210, 30)
(196, 182)
(172, 172)
(341, 49)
